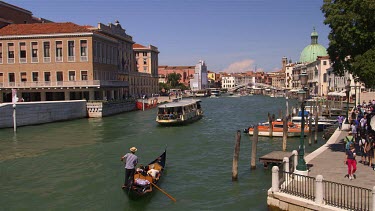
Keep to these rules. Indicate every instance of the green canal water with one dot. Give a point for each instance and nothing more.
(75, 165)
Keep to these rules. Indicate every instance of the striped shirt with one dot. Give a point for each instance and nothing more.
(131, 160)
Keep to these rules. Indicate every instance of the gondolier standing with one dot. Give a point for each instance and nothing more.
(131, 161)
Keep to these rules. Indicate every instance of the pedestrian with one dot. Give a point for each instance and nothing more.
(131, 160)
(351, 162)
(340, 119)
(349, 140)
(362, 149)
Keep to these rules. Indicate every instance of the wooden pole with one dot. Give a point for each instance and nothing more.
(270, 125)
(280, 114)
(285, 132)
(310, 129)
(173, 199)
(236, 156)
(254, 147)
(316, 123)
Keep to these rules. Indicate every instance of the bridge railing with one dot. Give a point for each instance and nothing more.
(321, 192)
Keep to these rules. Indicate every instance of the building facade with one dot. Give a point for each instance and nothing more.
(200, 79)
(147, 65)
(65, 61)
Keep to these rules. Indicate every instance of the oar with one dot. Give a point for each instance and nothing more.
(173, 199)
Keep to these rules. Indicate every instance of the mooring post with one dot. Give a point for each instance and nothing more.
(310, 129)
(286, 164)
(285, 132)
(270, 125)
(254, 147)
(373, 198)
(236, 156)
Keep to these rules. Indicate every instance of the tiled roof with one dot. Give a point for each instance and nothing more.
(42, 28)
(136, 45)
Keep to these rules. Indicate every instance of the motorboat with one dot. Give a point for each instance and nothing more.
(180, 112)
(277, 129)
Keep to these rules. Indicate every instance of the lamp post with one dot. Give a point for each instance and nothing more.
(347, 89)
(355, 91)
(301, 166)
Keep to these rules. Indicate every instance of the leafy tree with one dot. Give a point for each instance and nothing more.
(173, 79)
(352, 37)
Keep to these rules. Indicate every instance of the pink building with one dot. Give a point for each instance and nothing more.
(186, 72)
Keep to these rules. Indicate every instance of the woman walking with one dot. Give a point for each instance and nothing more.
(351, 162)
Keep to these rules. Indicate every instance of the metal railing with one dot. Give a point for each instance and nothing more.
(298, 185)
(346, 196)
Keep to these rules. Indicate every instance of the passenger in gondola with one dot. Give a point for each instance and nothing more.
(155, 174)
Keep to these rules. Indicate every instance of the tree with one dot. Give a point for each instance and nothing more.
(173, 79)
(352, 37)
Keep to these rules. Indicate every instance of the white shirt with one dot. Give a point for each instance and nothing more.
(153, 172)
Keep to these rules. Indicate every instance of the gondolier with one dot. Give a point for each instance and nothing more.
(131, 160)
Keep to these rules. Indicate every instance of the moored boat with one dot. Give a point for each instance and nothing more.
(143, 104)
(277, 129)
(321, 124)
(180, 112)
(143, 182)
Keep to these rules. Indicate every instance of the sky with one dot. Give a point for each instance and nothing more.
(229, 35)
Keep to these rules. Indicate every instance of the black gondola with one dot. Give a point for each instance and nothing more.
(141, 184)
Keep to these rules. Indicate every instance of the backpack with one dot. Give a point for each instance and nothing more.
(348, 143)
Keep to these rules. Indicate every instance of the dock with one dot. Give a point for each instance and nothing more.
(274, 158)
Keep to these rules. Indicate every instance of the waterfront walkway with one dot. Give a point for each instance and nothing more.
(328, 161)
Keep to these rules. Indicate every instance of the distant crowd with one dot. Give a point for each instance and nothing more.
(362, 133)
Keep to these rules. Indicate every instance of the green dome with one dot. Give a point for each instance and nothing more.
(313, 50)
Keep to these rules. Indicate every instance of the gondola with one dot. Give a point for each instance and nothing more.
(142, 183)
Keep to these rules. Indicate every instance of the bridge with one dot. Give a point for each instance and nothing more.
(249, 85)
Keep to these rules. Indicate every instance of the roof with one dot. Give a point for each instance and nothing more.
(42, 28)
(179, 103)
(136, 45)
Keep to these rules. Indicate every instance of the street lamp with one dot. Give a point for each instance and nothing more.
(347, 90)
(301, 166)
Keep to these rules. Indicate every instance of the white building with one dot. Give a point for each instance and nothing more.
(228, 82)
(200, 80)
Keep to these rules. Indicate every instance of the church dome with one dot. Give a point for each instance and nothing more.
(313, 50)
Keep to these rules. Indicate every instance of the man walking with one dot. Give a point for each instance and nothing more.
(131, 160)
(340, 119)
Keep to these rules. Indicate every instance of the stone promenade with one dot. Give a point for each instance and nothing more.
(328, 161)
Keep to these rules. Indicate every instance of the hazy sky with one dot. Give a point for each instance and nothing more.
(232, 36)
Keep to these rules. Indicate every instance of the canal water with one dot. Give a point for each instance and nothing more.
(75, 165)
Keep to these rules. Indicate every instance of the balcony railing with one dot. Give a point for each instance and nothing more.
(34, 60)
(61, 84)
(10, 60)
(71, 58)
(47, 59)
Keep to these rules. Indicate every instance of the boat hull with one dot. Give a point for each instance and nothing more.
(277, 134)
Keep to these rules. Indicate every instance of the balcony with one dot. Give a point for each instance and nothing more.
(63, 84)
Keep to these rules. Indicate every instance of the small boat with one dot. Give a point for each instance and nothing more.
(143, 104)
(277, 129)
(321, 124)
(180, 112)
(142, 183)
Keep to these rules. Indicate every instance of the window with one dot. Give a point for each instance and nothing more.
(324, 62)
(11, 77)
(70, 51)
(325, 77)
(83, 45)
(23, 77)
(1, 78)
(94, 52)
(10, 53)
(144, 61)
(59, 76)
(22, 52)
(47, 76)
(46, 51)
(72, 75)
(137, 54)
(34, 52)
(144, 69)
(144, 53)
(59, 52)
(1, 53)
(84, 75)
(35, 76)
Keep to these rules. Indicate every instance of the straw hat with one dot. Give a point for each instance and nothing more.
(133, 149)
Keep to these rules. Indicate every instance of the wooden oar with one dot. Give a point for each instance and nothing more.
(173, 199)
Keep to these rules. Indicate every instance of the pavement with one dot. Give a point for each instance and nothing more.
(328, 161)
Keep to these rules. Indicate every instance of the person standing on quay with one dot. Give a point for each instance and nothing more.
(131, 160)
(340, 119)
(351, 162)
